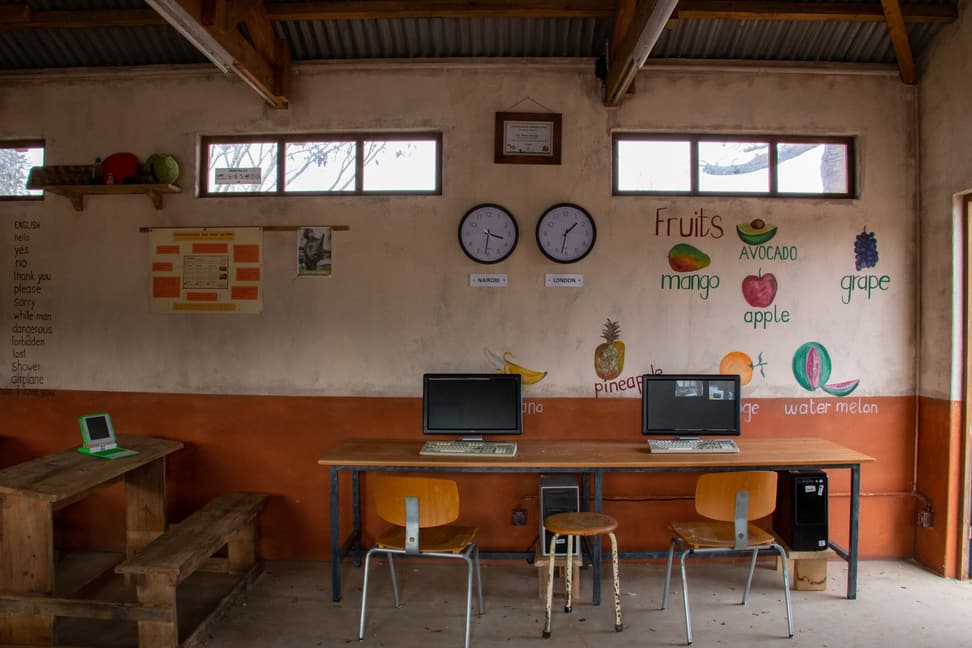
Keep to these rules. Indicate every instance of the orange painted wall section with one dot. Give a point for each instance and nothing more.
(939, 482)
(271, 444)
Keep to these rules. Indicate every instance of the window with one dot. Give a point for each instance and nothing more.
(16, 159)
(280, 165)
(805, 167)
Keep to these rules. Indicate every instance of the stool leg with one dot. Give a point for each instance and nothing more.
(550, 580)
(569, 574)
(618, 626)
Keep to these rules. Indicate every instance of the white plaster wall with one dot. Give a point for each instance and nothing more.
(946, 173)
(399, 302)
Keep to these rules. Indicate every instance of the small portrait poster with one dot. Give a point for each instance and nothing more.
(313, 251)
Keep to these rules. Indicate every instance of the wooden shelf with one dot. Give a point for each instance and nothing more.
(76, 193)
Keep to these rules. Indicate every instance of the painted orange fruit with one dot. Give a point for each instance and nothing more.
(737, 362)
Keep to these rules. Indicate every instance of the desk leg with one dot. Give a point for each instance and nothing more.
(853, 540)
(356, 518)
(335, 539)
(26, 566)
(596, 545)
(145, 517)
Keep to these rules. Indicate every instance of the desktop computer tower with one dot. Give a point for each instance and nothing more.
(558, 494)
(800, 519)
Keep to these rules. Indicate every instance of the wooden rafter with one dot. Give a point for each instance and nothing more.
(811, 11)
(899, 40)
(650, 17)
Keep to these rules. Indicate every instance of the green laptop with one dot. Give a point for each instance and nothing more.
(99, 438)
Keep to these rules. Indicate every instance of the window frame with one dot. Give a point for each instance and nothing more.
(24, 143)
(773, 141)
(281, 141)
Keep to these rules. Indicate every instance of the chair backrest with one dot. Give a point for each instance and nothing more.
(715, 494)
(438, 499)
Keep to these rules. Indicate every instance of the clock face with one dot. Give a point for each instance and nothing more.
(566, 233)
(488, 233)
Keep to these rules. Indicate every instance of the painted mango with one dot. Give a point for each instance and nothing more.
(811, 365)
(687, 258)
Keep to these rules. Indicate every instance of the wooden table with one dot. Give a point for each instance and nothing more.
(591, 459)
(30, 493)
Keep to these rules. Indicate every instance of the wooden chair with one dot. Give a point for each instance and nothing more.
(729, 501)
(422, 511)
(577, 525)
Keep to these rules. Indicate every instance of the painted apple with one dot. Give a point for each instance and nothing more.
(759, 290)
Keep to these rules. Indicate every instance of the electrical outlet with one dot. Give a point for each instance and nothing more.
(519, 517)
(926, 518)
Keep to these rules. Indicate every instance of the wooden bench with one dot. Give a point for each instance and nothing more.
(230, 520)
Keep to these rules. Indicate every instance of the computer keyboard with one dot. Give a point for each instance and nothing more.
(692, 446)
(469, 448)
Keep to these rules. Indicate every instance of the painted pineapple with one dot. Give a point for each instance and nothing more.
(609, 355)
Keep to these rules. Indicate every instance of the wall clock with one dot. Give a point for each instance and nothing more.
(488, 233)
(566, 233)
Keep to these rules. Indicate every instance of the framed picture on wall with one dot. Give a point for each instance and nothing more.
(313, 251)
(527, 138)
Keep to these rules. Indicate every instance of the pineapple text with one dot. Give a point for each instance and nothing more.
(622, 384)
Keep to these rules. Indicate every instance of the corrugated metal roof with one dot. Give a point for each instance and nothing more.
(425, 38)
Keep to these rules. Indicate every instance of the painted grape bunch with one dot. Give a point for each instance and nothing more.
(865, 250)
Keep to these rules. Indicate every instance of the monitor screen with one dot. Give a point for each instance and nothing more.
(472, 405)
(690, 405)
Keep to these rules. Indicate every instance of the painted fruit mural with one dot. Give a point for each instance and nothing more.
(687, 258)
(755, 232)
(811, 368)
(759, 290)
(865, 250)
(506, 365)
(609, 355)
(737, 362)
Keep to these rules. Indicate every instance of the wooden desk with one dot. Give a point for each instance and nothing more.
(30, 493)
(593, 459)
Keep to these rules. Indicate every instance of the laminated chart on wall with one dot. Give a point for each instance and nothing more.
(207, 270)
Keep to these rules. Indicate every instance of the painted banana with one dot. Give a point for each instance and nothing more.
(506, 365)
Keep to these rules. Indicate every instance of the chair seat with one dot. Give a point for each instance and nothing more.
(580, 523)
(440, 539)
(709, 533)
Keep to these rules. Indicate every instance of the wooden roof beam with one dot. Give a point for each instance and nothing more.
(374, 9)
(650, 17)
(899, 40)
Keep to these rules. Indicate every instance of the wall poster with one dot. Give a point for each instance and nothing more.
(206, 270)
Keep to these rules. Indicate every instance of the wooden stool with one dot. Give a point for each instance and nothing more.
(577, 525)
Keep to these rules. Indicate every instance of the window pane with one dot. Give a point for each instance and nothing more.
(320, 166)
(400, 165)
(734, 166)
(812, 168)
(654, 166)
(239, 164)
(15, 164)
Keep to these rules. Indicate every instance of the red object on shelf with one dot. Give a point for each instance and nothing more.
(119, 166)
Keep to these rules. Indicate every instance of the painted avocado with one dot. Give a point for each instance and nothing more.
(686, 258)
(756, 231)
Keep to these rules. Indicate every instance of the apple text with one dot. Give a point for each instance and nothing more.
(765, 317)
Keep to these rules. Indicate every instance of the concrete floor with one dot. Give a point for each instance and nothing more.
(898, 604)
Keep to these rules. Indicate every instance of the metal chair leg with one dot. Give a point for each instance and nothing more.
(550, 580)
(618, 626)
(749, 577)
(479, 577)
(364, 594)
(668, 574)
(469, 585)
(568, 574)
(685, 599)
(786, 587)
(394, 579)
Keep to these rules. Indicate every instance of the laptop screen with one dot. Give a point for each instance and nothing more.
(98, 429)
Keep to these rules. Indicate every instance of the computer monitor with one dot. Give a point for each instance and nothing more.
(690, 405)
(471, 405)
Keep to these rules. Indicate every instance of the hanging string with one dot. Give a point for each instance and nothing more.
(524, 100)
